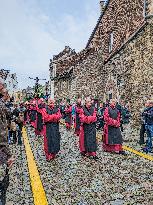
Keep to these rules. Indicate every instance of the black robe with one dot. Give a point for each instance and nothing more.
(52, 133)
(77, 118)
(78, 123)
(33, 115)
(114, 133)
(68, 116)
(90, 142)
(39, 119)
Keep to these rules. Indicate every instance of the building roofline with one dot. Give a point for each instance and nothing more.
(98, 22)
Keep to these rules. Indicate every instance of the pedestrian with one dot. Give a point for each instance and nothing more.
(73, 112)
(68, 116)
(149, 127)
(33, 113)
(13, 130)
(40, 124)
(125, 119)
(6, 158)
(77, 123)
(26, 113)
(125, 114)
(62, 109)
(112, 140)
(119, 106)
(100, 116)
(143, 123)
(87, 137)
(51, 116)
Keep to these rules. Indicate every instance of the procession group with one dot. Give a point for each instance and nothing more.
(86, 119)
(45, 120)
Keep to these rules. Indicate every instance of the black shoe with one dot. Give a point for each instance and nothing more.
(123, 153)
(95, 158)
(83, 154)
(141, 143)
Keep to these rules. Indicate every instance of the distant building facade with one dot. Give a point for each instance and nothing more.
(117, 61)
(10, 81)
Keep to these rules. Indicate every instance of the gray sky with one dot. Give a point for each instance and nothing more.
(31, 31)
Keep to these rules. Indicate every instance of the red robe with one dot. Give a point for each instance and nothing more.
(86, 120)
(110, 122)
(55, 118)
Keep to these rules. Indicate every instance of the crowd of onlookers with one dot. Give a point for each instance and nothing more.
(11, 122)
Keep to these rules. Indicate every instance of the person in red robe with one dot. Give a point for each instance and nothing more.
(39, 124)
(112, 140)
(77, 123)
(68, 116)
(51, 116)
(87, 137)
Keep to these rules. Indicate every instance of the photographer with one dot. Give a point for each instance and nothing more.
(6, 158)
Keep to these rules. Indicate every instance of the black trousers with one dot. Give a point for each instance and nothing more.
(3, 188)
(13, 133)
(142, 132)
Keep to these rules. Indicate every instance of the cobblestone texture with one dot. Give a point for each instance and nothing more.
(19, 191)
(113, 180)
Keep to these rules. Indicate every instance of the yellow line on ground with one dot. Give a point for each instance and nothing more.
(146, 156)
(36, 184)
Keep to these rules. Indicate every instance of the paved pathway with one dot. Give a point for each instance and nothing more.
(72, 180)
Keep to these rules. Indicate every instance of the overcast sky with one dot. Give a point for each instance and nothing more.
(31, 31)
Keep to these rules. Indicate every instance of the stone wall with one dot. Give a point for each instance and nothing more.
(132, 67)
(126, 72)
(123, 18)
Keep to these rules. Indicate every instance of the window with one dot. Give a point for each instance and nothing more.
(111, 38)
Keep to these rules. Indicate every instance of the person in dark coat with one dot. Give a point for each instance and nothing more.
(33, 114)
(119, 106)
(25, 113)
(77, 123)
(39, 123)
(51, 116)
(112, 140)
(125, 115)
(6, 158)
(87, 137)
(62, 109)
(100, 116)
(68, 116)
(143, 123)
(149, 127)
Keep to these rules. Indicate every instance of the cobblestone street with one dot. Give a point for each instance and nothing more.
(71, 179)
(19, 191)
